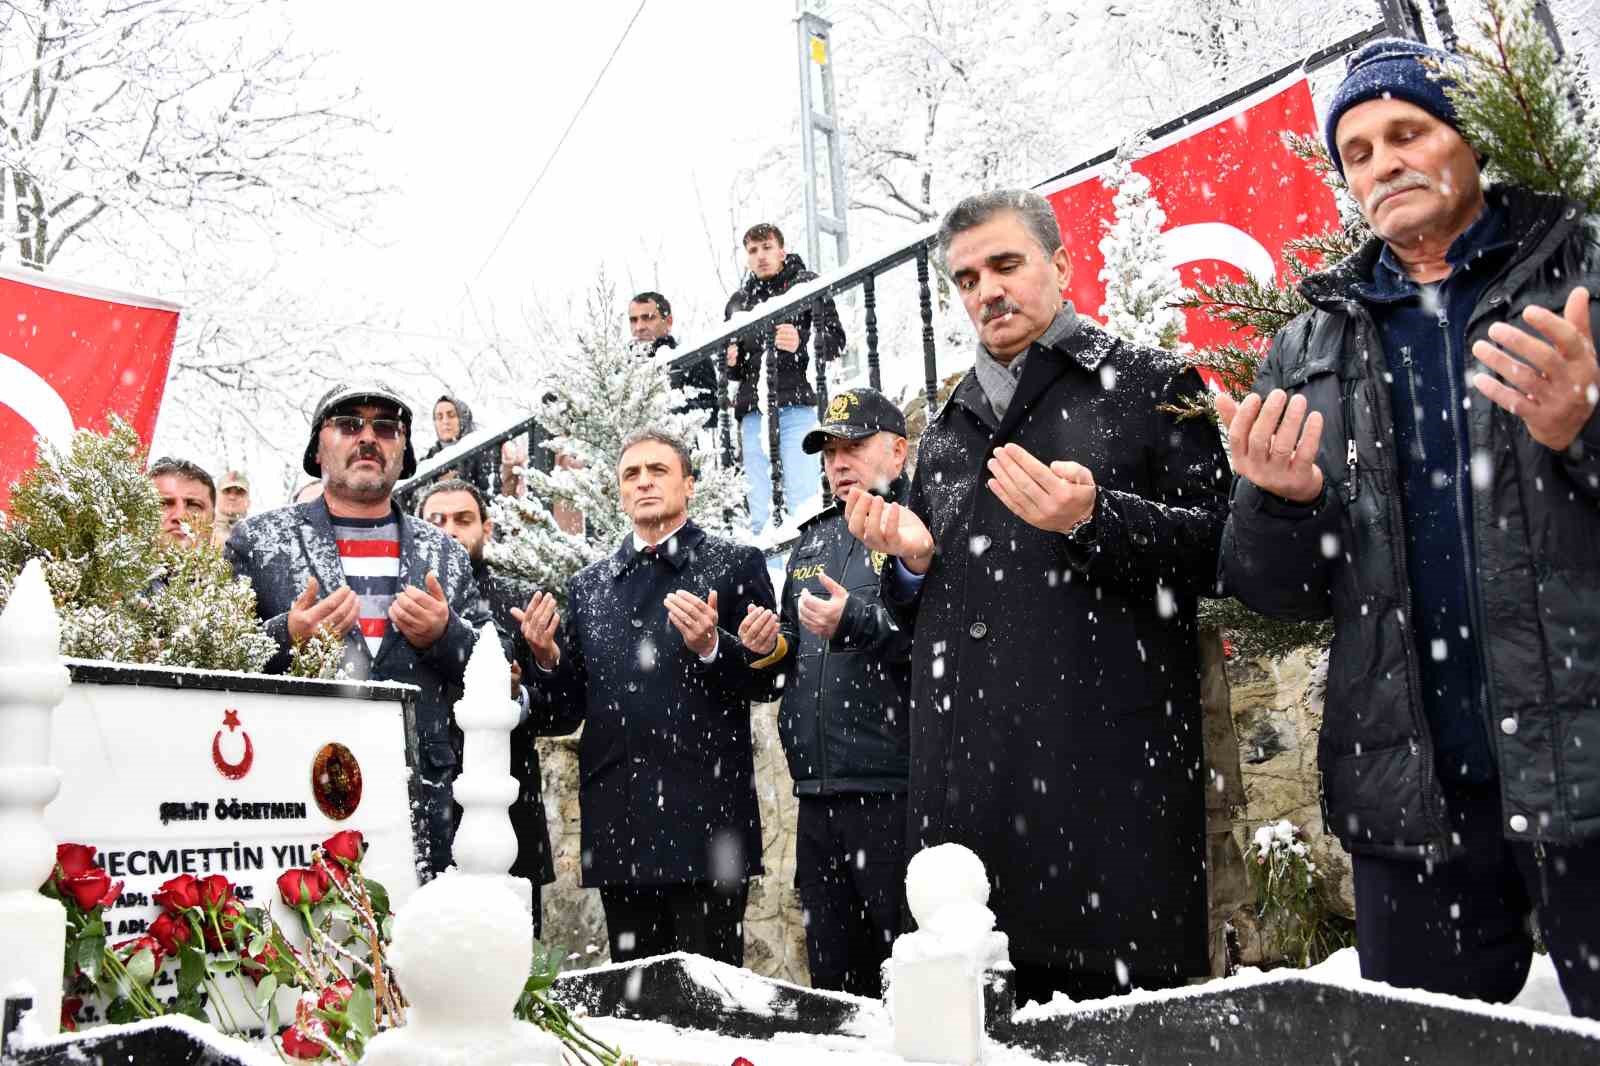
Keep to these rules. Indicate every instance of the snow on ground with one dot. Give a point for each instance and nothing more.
(1541, 995)
(1540, 1003)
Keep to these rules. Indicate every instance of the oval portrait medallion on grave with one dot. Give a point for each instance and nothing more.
(336, 781)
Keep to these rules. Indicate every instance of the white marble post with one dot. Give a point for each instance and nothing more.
(937, 974)
(33, 928)
(463, 942)
(485, 842)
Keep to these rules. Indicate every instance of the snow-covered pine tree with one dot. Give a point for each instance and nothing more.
(1142, 290)
(1515, 103)
(1256, 310)
(93, 518)
(595, 394)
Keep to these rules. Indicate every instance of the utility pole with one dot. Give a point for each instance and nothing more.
(1402, 18)
(814, 34)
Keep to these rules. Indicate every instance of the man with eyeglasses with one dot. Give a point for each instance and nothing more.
(399, 591)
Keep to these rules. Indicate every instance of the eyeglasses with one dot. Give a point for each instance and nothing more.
(352, 425)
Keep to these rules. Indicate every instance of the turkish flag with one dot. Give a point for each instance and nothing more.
(1233, 194)
(71, 356)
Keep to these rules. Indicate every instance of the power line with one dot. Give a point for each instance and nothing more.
(504, 233)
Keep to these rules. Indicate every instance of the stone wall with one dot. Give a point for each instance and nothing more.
(1277, 711)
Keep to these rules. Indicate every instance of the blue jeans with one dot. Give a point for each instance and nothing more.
(802, 473)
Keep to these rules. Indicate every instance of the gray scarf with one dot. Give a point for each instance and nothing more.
(999, 380)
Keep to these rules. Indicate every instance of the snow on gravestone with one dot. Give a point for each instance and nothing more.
(937, 973)
(169, 771)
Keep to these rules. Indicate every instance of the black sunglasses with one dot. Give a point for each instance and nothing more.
(352, 425)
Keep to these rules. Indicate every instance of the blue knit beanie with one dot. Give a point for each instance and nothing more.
(1391, 67)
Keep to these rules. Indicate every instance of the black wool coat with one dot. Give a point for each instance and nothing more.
(1055, 703)
(667, 770)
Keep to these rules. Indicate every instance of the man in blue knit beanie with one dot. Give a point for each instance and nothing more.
(1420, 462)
(1392, 68)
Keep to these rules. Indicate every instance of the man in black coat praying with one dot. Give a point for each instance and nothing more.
(1059, 528)
(649, 661)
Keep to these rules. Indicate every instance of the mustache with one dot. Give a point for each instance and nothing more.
(997, 307)
(1411, 179)
(367, 451)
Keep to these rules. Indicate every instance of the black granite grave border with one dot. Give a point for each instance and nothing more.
(1278, 1021)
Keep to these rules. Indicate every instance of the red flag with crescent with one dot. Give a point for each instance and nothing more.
(71, 356)
(1233, 194)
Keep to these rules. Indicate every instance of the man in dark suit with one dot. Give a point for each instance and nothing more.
(649, 661)
(399, 591)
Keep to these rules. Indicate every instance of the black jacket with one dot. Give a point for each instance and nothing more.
(843, 721)
(1535, 524)
(702, 376)
(820, 319)
(278, 551)
(499, 593)
(1055, 689)
(668, 774)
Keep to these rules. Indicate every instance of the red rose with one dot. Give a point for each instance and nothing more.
(127, 949)
(347, 846)
(335, 997)
(257, 966)
(742, 1061)
(92, 888)
(74, 858)
(70, 1006)
(214, 891)
(228, 916)
(171, 932)
(299, 887)
(179, 894)
(299, 1046)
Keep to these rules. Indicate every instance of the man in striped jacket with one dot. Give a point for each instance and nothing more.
(399, 591)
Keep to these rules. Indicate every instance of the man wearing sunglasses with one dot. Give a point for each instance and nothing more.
(399, 591)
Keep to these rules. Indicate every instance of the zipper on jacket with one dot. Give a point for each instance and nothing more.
(1351, 458)
(1416, 407)
(1475, 604)
(822, 679)
(1402, 573)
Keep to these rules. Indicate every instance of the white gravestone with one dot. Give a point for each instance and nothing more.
(169, 771)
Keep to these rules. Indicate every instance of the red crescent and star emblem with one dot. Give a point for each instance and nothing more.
(232, 770)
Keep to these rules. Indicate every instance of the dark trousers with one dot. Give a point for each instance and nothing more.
(703, 918)
(1461, 926)
(850, 869)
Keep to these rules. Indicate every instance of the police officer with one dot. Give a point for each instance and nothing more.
(846, 668)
